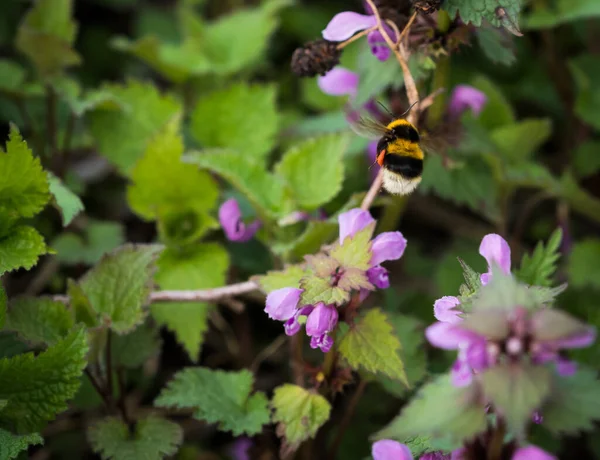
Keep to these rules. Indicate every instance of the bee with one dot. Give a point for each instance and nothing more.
(399, 151)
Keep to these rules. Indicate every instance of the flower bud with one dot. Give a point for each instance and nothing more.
(282, 303)
(315, 58)
(378, 276)
(234, 227)
(321, 320)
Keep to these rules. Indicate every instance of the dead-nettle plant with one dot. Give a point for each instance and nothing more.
(511, 372)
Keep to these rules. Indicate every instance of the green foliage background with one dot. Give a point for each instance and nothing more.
(126, 123)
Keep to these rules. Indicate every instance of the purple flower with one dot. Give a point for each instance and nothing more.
(352, 222)
(339, 81)
(239, 449)
(538, 336)
(379, 47)
(532, 453)
(282, 303)
(466, 97)
(472, 354)
(320, 322)
(496, 250)
(387, 449)
(345, 24)
(387, 246)
(537, 417)
(378, 277)
(235, 229)
(444, 310)
(292, 325)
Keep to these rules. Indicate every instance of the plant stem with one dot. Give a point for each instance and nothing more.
(98, 388)
(297, 359)
(51, 123)
(347, 418)
(122, 394)
(495, 446)
(108, 364)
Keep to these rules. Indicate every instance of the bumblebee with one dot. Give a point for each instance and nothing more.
(399, 152)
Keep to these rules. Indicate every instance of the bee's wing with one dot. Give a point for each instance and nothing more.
(368, 128)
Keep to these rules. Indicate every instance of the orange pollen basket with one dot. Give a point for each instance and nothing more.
(380, 157)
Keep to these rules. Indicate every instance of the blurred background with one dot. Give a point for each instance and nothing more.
(527, 165)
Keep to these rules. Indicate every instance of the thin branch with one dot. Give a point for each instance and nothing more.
(200, 295)
(98, 388)
(356, 37)
(204, 295)
(267, 352)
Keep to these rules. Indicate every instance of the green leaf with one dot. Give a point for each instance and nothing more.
(440, 410)
(470, 184)
(263, 189)
(123, 133)
(98, 239)
(46, 34)
(372, 345)
(355, 252)
(163, 184)
(548, 15)
(202, 266)
(538, 269)
(118, 287)
(154, 438)
(584, 264)
(474, 11)
(11, 444)
(298, 412)
(586, 161)
(573, 404)
(304, 166)
(11, 344)
(504, 292)
(134, 349)
(516, 390)
(254, 26)
(318, 289)
(21, 249)
(24, 188)
(496, 45)
(288, 277)
(39, 320)
(67, 202)
(26, 381)
(218, 397)
(520, 141)
(255, 126)
(584, 69)
(12, 77)
(81, 306)
(472, 281)
(410, 332)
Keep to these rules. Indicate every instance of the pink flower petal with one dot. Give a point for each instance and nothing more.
(339, 82)
(532, 453)
(353, 221)
(345, 24)
(282, 303)
(230, 217)
(387, 246)
(387, 449)
(495, 249)
(321, 320)
(443, 310)
(448, 336)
